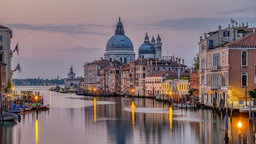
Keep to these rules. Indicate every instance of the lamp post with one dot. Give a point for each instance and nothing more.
(94, 90)
(36, 100)
(169, 96)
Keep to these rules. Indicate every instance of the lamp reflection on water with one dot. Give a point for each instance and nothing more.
(94, 109)
(170, 117)
(132, 110)
(36, 131)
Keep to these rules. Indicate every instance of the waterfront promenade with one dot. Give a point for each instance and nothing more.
(79, 119)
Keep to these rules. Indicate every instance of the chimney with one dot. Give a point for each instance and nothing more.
(201, 38)
(219, 28)
(253, 30)
(220, 34)
(205, 35)
(228, 25)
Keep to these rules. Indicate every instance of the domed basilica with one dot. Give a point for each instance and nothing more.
(119, 47)
(151, 50)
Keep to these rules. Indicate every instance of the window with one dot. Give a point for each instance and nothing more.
(1, 47)
(1, 38)
(244, 79)
(125, 60)
(210, 44)
(225, 33)
(1, 57)
(244, 58)
(216, 60)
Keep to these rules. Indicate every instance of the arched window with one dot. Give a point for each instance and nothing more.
(121, 60)
(125, 60)
(244, 58)
(110, 59)
(244, 79)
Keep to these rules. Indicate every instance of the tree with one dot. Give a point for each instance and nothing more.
(252, 94)
(196, 61)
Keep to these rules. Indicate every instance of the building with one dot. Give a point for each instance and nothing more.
(242, 69)
(119, 47)
(194, 83)
(110, 79)
(92, 74)
(215, 64)
(154, 82)
(5, 53)
(72, 83)
(151, 50)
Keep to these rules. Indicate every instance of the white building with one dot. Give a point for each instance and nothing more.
(72, 83)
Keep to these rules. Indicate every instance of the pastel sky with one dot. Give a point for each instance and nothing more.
(55, 34)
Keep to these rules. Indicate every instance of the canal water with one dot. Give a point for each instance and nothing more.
(76, 119)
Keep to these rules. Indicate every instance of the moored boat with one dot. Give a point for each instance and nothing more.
(7, 116)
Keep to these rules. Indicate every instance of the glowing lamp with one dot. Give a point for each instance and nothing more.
(239, 124)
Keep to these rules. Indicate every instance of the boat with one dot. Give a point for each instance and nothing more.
(41, 107)
(246, 110)
(7, 116)
(184, 105)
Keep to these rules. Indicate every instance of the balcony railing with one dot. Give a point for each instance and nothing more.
(215, 68)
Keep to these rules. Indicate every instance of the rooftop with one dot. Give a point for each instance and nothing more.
(246, 41)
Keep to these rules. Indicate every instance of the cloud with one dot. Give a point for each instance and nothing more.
(197, 23)
(189, 23)
(68, 29)
(245, 10)
(78, 49)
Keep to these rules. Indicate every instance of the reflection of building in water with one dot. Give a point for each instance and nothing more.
(6, 132)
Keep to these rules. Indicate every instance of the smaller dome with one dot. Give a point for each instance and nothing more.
(147, 49)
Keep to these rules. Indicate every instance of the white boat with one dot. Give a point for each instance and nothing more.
(246, 110)
(182, 105)
(6, 116)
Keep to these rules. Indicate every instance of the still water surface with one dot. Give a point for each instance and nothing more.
(76, 119)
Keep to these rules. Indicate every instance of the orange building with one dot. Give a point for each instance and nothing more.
(242, 67)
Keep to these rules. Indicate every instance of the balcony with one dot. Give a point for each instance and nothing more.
(215, 87)
(215, 68)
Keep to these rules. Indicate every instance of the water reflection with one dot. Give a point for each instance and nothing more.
(6, 131)
(36, 131)
(79, 120)
(94, 109)
(132, 110)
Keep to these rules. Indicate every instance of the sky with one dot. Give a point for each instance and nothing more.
(55, 34)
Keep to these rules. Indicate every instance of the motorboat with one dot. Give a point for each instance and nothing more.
(7, 116)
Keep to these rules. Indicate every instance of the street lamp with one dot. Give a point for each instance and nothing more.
(94, 90)
(169, 95)
(132, 91)
(36, 100)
